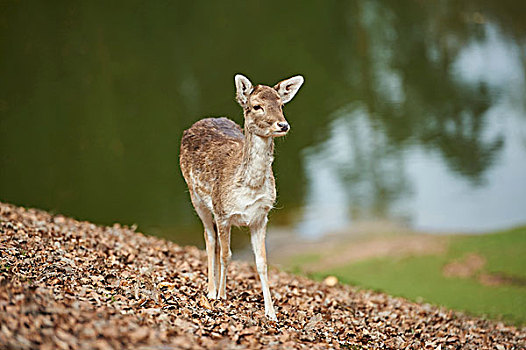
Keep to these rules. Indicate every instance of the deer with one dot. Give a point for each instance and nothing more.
(229, 175)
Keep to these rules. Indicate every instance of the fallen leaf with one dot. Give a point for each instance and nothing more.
(203, 301)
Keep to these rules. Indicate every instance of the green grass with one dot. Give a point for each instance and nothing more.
(420, 278)
(299, 260)
(505, 251)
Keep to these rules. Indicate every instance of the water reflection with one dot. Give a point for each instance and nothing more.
(412, 111)
(354, 175)
(440, 158)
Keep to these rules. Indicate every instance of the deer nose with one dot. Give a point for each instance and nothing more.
(284, 126)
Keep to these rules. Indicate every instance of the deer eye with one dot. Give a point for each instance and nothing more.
(258, 108)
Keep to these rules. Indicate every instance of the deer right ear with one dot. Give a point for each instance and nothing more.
(243, 89)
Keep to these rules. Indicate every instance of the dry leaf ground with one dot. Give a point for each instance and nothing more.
(66, 284)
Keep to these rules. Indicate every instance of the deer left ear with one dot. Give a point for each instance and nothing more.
(289, 87)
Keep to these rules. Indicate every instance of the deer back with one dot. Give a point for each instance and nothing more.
(210, 152)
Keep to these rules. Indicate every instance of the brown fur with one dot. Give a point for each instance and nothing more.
(229, 175)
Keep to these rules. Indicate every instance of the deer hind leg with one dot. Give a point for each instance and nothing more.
(226, 254)
(217, 266)
(211, 243)
(257, 238)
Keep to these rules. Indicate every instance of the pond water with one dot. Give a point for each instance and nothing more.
(412, 112)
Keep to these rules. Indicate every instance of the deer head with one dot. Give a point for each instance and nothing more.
(263, 105)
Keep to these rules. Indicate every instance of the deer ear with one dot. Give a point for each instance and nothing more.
(243, 89)
(289, 87)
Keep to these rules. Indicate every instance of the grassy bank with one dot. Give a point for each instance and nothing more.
(483, 275)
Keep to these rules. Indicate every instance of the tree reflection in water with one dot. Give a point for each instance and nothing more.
(445, 82)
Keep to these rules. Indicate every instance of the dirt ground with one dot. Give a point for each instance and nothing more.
(362, 242)
(66, 284)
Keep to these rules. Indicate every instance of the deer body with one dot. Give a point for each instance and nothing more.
(236, 192)
(229, 175)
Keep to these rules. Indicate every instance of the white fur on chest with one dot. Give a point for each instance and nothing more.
(250, 206)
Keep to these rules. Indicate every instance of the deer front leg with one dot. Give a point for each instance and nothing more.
(226, 254)
(257, 237)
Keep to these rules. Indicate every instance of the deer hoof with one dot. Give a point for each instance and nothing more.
(271, 315)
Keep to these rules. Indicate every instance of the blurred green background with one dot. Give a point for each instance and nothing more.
(411, 112)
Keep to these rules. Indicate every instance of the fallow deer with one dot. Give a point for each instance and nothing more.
(229, 175)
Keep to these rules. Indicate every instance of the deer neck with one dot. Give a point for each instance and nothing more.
(256, 163)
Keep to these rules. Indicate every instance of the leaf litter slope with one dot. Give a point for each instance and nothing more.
(66, 284)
